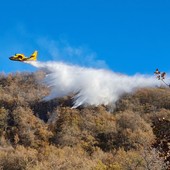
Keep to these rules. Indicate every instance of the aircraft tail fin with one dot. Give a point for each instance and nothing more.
(33, 56)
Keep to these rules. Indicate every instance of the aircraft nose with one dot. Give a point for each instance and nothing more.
(11, 58)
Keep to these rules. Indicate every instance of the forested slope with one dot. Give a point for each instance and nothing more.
(39, 135)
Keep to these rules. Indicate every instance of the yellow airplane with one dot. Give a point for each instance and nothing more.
(21, 57)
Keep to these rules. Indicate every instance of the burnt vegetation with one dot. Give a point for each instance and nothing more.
(41, 135)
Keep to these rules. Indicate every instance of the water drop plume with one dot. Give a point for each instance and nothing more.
(90, 86)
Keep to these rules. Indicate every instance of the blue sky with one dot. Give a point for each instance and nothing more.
(126, 36)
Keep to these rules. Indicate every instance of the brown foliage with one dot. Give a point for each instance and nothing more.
(50, 135)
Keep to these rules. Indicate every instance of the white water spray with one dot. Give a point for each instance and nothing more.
(90, 86)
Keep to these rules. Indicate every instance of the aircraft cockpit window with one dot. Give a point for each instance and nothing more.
(20, 56)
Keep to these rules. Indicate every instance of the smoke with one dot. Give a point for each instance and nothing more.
(61, 50)
(90, 86)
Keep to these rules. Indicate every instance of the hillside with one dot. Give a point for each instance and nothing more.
(39, 135)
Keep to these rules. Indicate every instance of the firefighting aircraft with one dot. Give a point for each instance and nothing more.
(21, 57)
(161, 76)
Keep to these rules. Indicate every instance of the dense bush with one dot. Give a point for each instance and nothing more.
(38, 135)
